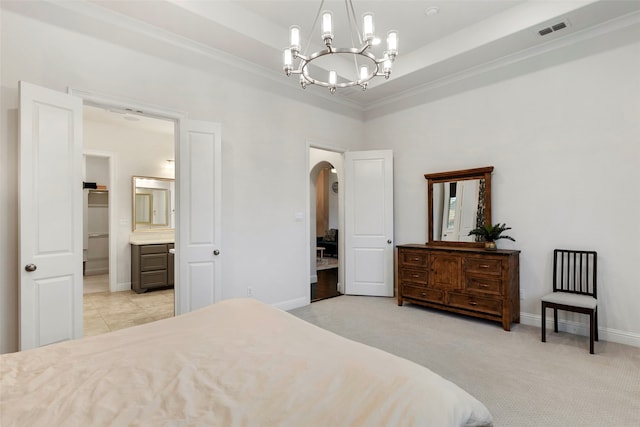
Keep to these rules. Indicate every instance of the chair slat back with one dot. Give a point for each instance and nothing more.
(575, 271)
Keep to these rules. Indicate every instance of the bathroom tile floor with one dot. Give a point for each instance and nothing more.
(110, 311)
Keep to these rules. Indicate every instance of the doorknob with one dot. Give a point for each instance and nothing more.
(216, 252)
(30, 267)
(389, 242)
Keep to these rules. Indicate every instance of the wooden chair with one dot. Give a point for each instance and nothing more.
(574, 289)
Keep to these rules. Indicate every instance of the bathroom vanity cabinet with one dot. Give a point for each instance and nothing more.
(151, 266)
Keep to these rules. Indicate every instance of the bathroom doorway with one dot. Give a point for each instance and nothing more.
(119, 144)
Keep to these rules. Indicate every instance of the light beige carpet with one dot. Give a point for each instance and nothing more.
(522, 381)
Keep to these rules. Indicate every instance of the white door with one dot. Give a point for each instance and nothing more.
(50, 216)
(199, 223)
(369, 223)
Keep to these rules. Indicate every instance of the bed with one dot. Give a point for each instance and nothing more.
(239, 362)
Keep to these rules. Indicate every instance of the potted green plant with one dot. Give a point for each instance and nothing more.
(490, 233)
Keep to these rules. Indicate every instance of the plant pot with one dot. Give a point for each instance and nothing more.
(490, 246)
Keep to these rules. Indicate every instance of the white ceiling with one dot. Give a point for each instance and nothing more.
(128, 120)
(464, 37)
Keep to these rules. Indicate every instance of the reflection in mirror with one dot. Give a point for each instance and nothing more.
(459, 201)
(456, 210)
(143, 208)
(153, 203)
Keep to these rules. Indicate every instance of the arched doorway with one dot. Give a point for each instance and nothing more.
(325, 219)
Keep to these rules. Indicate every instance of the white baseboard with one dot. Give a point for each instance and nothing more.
(605, 334)
(291, 304)
(126, 286)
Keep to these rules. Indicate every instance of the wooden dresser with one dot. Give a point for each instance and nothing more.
(471, 281)
(151, 266)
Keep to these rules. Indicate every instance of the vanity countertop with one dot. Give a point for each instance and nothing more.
(151, 238)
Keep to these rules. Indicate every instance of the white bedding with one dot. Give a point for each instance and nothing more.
(235, 363)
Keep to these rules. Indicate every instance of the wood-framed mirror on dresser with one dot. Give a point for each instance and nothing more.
(453, 271)
(458, 201)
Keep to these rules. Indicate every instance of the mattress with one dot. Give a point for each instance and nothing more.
(239, 362)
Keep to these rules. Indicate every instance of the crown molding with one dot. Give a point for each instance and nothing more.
(277, 82)
(394, 103)
(273, 80)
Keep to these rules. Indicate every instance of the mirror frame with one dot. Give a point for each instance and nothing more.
(133, 206)
(459, 175)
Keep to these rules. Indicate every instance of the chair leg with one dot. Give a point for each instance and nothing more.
(543, 326)
(555, 320)
(596, 317)
(592, 330)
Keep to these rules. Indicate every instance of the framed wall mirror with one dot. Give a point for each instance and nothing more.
(153, 203)
(458, 202)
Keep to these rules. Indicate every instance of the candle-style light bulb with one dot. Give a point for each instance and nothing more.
(368, 27)
(364, 72)
(333, 78)
(392, 44)
(294, 38)
(327, 27)
(386, 68)
(288, 61)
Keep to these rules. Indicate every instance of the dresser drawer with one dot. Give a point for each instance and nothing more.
(482, 283)
(412, 258)
(153, 262)
(474, 302)
(153, 249)
(408, 275)
(482, 265)
(153, 279)
(423, 293)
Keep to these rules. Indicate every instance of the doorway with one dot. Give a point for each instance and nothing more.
(141, 146)
(50, 295)
(325, 220)
(96, 244)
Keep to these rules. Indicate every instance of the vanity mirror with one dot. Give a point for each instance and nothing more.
(458, 202)
(153, 203)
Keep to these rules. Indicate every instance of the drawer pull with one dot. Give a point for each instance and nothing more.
(473, 303)
(415, 259)
(415, 275)
(484, 266)
(482, 285)
(424, 294)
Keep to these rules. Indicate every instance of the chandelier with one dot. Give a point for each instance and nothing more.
(367, 65)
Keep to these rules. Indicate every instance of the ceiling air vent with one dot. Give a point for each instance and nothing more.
(553, 28)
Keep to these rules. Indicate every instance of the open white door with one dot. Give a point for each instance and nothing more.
(369, 223)
(50, 214)
(199, 224)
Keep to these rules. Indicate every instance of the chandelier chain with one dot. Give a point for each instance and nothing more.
(313, 27)
(351, 16)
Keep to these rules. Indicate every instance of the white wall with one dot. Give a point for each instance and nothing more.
(565, 143)
(264, 151)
